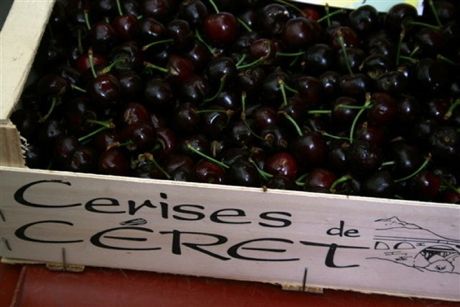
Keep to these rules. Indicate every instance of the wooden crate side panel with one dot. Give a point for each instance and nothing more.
(19, 41)
(10, 146)
(291, 238)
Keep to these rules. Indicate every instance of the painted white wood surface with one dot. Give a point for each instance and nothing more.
(380, 5)
(19, 40)
(385, 246)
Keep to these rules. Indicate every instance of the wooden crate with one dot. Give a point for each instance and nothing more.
(297, 239)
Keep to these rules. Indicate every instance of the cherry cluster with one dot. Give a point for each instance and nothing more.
(258, 93)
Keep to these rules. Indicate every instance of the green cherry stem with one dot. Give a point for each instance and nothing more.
(422, 24)
(120, 11)
(245, 25)
(156, 67)
(293, 122)
(219, 90)
(201, 40)
(290, 89)
(158, 167)
(104, 125)
(451, 109)
(402, 34)
(282, 86)
(241, 60)
(366, 105)
(418, 170)
(344, 50)
(435, 12)
(338, 181)
(160, 42)
(251, 64)
(87, 23)
(301, 180)
(292, 6)
(50, 110)
(333, 136)
(289, 54)
(329, 15)
(319, 112)
(193, 149)
(91, 62)
(77, 88)
(265, 175)
(214, 6)
(445, 59)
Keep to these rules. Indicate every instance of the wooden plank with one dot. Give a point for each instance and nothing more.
(19, 40)
(296, 239)
(10, 146)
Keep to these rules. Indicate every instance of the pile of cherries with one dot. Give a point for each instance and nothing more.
(258, 93)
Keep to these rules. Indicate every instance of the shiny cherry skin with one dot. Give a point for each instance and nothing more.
(282, 163)
(221, 28)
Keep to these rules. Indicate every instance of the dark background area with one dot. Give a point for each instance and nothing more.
(5, 6)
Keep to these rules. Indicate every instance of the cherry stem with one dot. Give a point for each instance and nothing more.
(243, 106)
(338, 181)
(163, 41)
(289, 54)
(79, 43)
(332, 136)
(445, 59)
(319, 111)
(329, 15)
(214, 6)
(86, 16)
(50, 110)
(345, 106)
(450, 186)
(407, 58)
(422, 24)
(112, 65)
(120, 11)
(293, 122)
(241, 60)
(251, 64)
(245, 25)
(155, 163)
(435, 12)
(156, 67)
(265, 175)
(344, 50)
(286, 3)
(418, 170)
(402, 34)
(451, 109)
(360, 112)
(300, 181)
(283, 91)
(416, 49)
(221, 164)
(77, 88)
(211, 111)
(200, 39)
(104, 125)
(91, 62)
(292, 90)
(388, 163)
(219, 90)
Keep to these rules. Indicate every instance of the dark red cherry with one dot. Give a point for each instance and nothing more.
(105, 89)
(310, 149)
(272, 18)
(383, 110)
(364, 19)
(126, 27)
(282, 164)
(159, 94)
(194, 11)
(363, 158)
(208, 172)
(445, 144)
(158, 9)
(300, 32)
(114, 161)
(432, 76)
(52, 85)
(103, 37)
(199, 55)
(319, 180)
(83, 159)
(134, 113)
(131, 84)
(63, 149)
(425, 186)
(194, 90)
(354, 85)
(219, 68)
(151, 30)
(319, 58)
(265, 117)
(243, 173)
(373, 134)
(343, 111)
(138, 136)
(186, 118)
(221, 28)
(398, 15)
(180, 31)
(393, 82)
(310, 89)
(379, 184)
(83, 63)
(106, 140)
(167, 139)
(407, 158)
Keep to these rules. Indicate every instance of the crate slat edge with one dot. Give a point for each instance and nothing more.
(18, 48)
